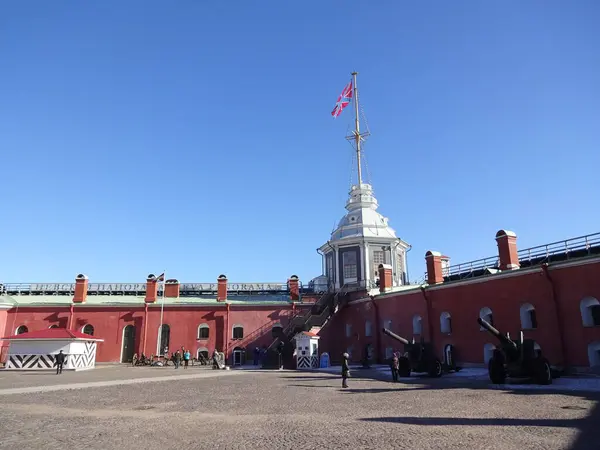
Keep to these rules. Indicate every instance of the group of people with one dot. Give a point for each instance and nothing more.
(178, 356)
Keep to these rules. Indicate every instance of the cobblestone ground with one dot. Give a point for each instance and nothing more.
(285, 410)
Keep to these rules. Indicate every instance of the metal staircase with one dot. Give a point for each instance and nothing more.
(316, 317)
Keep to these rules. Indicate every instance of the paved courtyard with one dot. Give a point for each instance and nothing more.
(163, 408)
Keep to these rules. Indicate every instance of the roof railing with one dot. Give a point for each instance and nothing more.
(566, 247)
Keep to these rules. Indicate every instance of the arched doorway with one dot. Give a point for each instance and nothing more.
(128, 348)
(239, 356)
(164, 336)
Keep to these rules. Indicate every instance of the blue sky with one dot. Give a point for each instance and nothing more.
(196, 136)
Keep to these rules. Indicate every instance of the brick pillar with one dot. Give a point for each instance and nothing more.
(507, 250)
(222, 288)
(172, 288)
(151, 289)
(435, 273)
(294, 286)
(385, 277)
(81, 288)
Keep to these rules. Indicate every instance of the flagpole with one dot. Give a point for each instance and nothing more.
(357, 136)
(162, 308)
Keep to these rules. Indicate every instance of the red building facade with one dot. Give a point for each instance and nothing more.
(137, 318)
(550, 292)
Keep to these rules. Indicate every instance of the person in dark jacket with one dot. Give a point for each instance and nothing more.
(395, 366)
(59, 361)
(345, 370)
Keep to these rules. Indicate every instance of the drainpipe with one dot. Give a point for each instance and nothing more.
(71, 312)
(145, 327)
(407, 277)
(378, 328)
(227, 332)
(559, 328)
(322, 261)
(429, 314)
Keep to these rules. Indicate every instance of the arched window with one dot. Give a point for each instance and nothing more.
(22, 329)
(485, 313)
(53, 326)
(528, 317)
(238, 332)
(88, 329)
(590, 312)
(594, 354)
(389, 352)
(387, 324)
(348, 330)
(164, 337)
(202, 352)
(537, 349)
(203, 331)
(368, 327)
(417, 324)
(488, 352)
(446, 322)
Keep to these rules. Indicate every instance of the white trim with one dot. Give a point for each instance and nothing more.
(202, 325)
(237, 325)
(159, 340)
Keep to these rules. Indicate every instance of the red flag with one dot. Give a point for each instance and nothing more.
(343, 100)
(161, 277)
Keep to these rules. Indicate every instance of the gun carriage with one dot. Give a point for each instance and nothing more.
(516, 359)
(420, 357)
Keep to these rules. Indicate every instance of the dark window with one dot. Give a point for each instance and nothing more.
(238, 333)
(490, 319)
(22, 329)
(596, 314)
(449, 319)
(203, 332)
(88, 329)
(532, 318)
(165, 337)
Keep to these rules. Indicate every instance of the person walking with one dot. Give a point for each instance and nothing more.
(345, 370)
(59, 361)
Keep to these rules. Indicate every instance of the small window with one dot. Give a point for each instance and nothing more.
(203, 331)
(368, 328)
(417, 324)
(389, 352)
(88, 329)
(590, 313)
(387, 324)
(53, 326)
(202, 353)
(378, 257)
(446, 323)
(22, 329)
(238, 332)
(486, 314)
(348, 330)
(528, 317)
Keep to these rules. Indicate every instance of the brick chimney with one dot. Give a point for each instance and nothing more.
(507, 250)
(222, 288)
(151, 288)
(435, 273)
(385, 277)
(81, 288)
(172, 288)
(294, 286)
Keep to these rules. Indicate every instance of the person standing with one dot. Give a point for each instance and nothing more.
(395, 367)
(59, 361)
(186, 359)
(345, 370)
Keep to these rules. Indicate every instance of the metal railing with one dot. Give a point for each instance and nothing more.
(563, 248)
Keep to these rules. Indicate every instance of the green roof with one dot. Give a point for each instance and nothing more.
(122, 300)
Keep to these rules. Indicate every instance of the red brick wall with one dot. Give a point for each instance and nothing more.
(109, 322)
(503, 294)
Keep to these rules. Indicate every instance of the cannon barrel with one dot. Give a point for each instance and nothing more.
(500, 336)
(395, 336)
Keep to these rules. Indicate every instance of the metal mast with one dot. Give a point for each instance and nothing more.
(356, 136)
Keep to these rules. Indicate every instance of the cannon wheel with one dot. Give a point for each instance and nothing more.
(541, 371)
(496, 369)
(435, 369)
(403, 367)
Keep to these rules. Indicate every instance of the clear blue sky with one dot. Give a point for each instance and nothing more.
(196, 136)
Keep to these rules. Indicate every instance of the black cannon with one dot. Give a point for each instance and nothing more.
(420, 357)
(516, 359)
